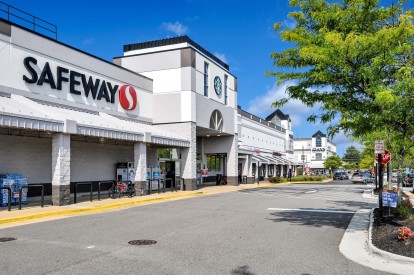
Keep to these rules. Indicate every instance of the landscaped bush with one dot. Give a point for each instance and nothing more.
(404, 233)
(307, 178)
(275, 179)
(404, 208)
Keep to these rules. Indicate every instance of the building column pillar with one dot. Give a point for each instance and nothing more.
(60, 169)
(189, 159)
(140, 164)
(232, 161)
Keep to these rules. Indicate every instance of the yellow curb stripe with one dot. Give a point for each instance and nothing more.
(94, 209)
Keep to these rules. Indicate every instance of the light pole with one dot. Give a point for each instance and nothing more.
(303, 160)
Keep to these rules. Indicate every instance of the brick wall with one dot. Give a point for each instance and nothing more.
(29, 156)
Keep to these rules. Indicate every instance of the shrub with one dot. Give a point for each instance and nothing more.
(404, 233)
(307, 178)
(404, 208)
(274, 179)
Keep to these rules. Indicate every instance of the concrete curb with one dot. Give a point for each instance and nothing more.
(355, 242)
(94, 209)
(382, 253)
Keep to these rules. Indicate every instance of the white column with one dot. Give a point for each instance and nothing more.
(232, 161)
(140, 164)
(60, 169)
(189, 158)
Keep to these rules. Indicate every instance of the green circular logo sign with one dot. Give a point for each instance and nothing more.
(217, 85)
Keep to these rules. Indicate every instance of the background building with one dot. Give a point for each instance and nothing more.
(311, 153)
(265, 147)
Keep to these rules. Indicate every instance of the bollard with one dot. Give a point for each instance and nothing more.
(8, 196)
(31, 186)
(76, 190)
(99, 188)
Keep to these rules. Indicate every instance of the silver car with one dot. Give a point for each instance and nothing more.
(357, 178)
(367, 178)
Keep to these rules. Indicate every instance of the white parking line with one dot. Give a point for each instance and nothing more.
(312, 210)
(311, 191)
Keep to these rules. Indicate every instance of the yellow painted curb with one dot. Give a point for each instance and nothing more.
(93, 209)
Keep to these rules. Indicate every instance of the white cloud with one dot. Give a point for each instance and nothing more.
(262, 105)
(298, 112)
(221, 56)
(343, 141)
(177, 28)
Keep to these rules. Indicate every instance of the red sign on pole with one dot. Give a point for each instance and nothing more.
(386, 157)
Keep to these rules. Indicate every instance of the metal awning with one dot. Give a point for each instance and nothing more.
(21, 112)
(270, 159)
(260, 159)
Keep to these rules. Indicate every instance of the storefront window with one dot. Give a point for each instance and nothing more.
(205, 79)
(225, 89)
(271, 170)
(213, 163)
(318, 141)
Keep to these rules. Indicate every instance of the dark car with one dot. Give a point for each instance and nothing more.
(408, 180)
(341, 176)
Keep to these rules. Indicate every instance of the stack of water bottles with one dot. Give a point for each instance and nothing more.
(14, 181)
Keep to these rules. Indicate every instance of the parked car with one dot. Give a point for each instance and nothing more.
(408, 182)
(340, 176)
(357, 178)
(367, 178)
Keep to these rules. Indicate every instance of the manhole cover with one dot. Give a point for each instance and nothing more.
(2, 240)
(142, 242)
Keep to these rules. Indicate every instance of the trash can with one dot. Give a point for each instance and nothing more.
(218, 178)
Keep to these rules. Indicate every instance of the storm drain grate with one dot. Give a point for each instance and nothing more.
(3, 240)
(142, 242)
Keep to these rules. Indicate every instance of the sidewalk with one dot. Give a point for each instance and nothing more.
(34, 213)
(356, 245)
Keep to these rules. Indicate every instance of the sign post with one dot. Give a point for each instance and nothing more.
(379, 150)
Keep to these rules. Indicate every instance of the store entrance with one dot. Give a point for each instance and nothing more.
(169, 174)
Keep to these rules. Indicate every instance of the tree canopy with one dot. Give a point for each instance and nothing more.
(332, 162)
(352, 155)
(353, 58)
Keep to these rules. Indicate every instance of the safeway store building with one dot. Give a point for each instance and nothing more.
(67, 116)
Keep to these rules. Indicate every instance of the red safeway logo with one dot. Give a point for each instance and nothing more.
(128, 97)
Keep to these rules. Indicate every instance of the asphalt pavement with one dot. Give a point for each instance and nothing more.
(292, 229)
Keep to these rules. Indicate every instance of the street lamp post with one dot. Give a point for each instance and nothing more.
(303, 160)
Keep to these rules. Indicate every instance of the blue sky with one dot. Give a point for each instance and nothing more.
(239, 32)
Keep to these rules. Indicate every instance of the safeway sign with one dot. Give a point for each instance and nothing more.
(386, 157)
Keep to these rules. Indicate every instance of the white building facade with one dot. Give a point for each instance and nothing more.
(265, 147)
(68, 117)
(311, 153)
(194, 93)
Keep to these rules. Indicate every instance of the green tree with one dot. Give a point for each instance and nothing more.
(355, 60)
(352, 156)
(332, 162)
(164, 153)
